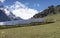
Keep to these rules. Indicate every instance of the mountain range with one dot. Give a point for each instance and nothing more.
(6, 15)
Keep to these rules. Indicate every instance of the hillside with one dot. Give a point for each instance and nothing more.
(51, 30)
(50, 10)
(39, 31)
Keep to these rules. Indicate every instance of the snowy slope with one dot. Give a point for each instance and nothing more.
(9, 13)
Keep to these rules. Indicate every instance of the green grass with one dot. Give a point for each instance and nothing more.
(39, 31)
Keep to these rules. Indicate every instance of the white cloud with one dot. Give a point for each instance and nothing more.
(21, 10)
(17, 5)
(2, 1)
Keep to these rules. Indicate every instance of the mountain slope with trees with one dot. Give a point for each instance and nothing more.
(50, 10)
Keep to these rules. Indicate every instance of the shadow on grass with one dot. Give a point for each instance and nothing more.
(23, 25)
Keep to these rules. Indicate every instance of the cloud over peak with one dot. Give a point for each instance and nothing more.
(21, 10)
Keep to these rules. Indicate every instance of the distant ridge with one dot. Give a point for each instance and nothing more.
(50, 10)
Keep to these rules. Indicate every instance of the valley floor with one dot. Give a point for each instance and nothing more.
(39, 31)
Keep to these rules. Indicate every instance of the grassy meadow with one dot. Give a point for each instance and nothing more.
(51, 30)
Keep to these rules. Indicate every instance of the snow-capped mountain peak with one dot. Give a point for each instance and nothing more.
(9, 13)
(4, 9)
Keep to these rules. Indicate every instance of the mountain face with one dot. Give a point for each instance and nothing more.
(13, 17)
(50, 10)
(6, 15)
(3, 16)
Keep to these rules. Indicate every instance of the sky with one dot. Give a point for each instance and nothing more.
(27, 8)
